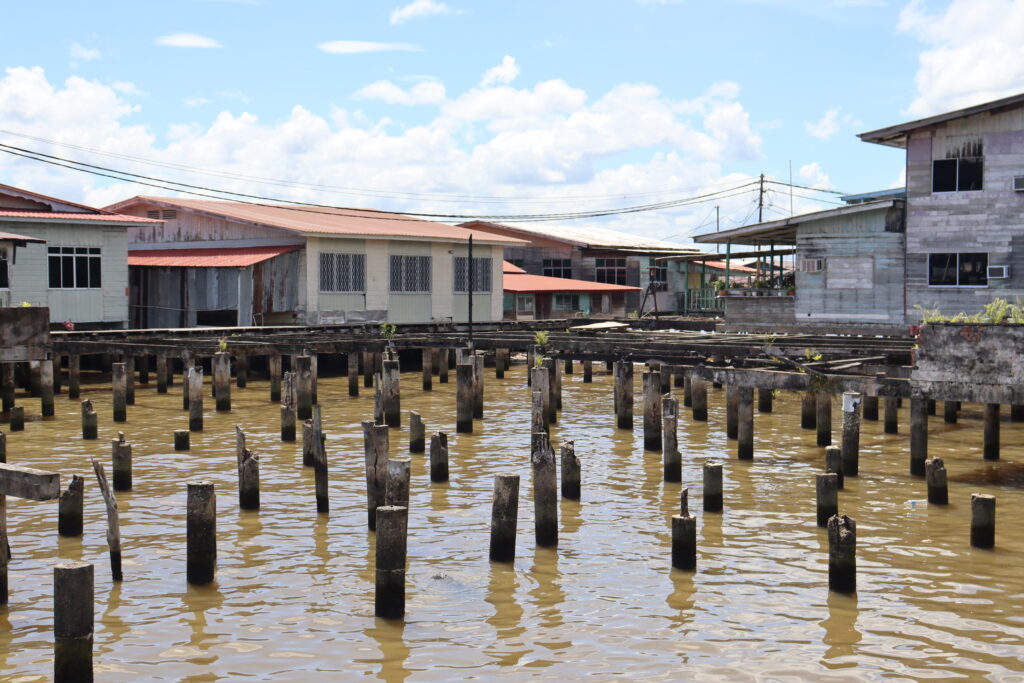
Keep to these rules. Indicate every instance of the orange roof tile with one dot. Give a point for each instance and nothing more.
(523, 283)
(507, 268)
(222, 257)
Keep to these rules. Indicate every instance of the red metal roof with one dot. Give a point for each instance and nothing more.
(10, 236)
(523, 283)
(222, 257)
(507, 268)
(68, 217)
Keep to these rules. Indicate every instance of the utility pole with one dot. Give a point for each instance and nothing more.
(718, 220)
(760, 201)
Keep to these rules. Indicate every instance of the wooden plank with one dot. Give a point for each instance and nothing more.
(29, 483)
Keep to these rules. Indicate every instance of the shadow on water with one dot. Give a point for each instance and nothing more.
(993, 474)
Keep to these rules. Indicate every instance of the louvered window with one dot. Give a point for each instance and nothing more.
(410, 274)
(166, 214)
(481, 274)
(154, 214)
(342, 272)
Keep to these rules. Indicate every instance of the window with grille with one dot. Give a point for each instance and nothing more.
(74, 267)
(558, 267)
(567, 302)
(610, 270)
(5, 281)
(481, 274)
(342, 272)
(410, 274)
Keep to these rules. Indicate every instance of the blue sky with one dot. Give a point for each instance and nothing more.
(556, 106)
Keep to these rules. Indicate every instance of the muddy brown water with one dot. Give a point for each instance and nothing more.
(293, 599)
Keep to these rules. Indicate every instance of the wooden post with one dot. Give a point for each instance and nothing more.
(671, 460)
(113, 520)
(918, 435)
(320, 478)
(871, 408)
(588, 372)
(396, 489)
(248, 473)
(314, 376)
(764, 400)
(464, 398)
(1016, 412)
(500, 363)
(74, 376)
(368, 369)
(241, 370)
(143, 366)
(891, 415)
(303, 387)
(545, 492)
(478, 385)
(745, 426)
(684, 536)
(442, 366)
(991, 432)
(46, 381)
(274, 370)
(983, 520)
(73, 621)
(417, 433)
(842, 554)
(504, 517)
(935, 477)
(624, 394)
(699, 398)
(7, 386)
(69, 508)
(391, 394)
(609, 367)
(288, 408)
(687, 391)
(182, 440)
(307, 443)
(851, 434)
(808, 410)
(375, 450)
(439, 457)
(827, 490)
(554, 393)
(222, 380)
(17, 419)
(195, 399)
(567, 365)
(712, 486)
(187, 363)
(121, 463)
(118, 379)
(352, 361)
(129, 376)
(538, 423)
(378, 398)
(949, 411)
(834, 464)
(90, 420)
(539, 386)
(427, 364)
(732, 404)
(201, 532)
(3, 447)
(392, 531)
(823, 417)
(570, 471)
(652, 410)
(161, 373)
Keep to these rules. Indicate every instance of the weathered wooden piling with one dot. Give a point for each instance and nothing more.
(504, 517)
(539, 387)
(823, 417)
(842, 554)
(187, 363)
(672, 461)
(392, 532)
(699, 399)
(588, 372)
(731, 411)
(501, 363)
(3, 447)
(182, 440)
(712, 486)
(90, 420)
(571, 473)
(1017, 412)
(918, 435)
(352, 362)
(121, 465)
(320, 477)
(850, 441)
(442, 366)
(307, 443)
(652, 410)
(745, 423)
(241, 370)
(427, 363)
(890, 415)
(545, 492)
(248, 473)
(6, 387)
(870, 409)
(119, 379)
(554, 392)
(464, 398)
(834, 464)
(983, 520)
(935, 477)
(113, 520)
(74, 376)
(567, 366)
(950, 409)
(70, 507)
(46, 395)
(129, 379)
(684, 536)
(439, 457)
(162, 375)
(200, 532)
(765, 399)
(417, 433)
(396, 489)
(808, 410)
(826, 490)
(368, 369)
(478, 385)
(687, 391)
(17, 419)
(314, 374)
(288, 408)
(391, 394)
(375, 450)
(73, 621)
(274, 374)
(378, 398)
(990, 449)
(195, 399)
(303, 386)
(624, 394)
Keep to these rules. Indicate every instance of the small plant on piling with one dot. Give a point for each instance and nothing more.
(387, 330)
(222, 344)
(541, 337)
(812, 354)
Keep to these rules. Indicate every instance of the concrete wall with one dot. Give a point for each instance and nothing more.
(759, 309)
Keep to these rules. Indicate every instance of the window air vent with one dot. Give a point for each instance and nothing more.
(153, 214)
(811, 265)
(1018, 183)
(998, 272)
(170, 214)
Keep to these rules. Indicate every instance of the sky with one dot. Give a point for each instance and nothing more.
(466, 108)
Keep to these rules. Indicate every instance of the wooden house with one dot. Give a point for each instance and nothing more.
(539, 297)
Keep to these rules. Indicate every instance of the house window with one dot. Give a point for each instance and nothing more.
(958, 270)
(74, 267)
(342, 272)
(610, 270)
(659, 278)
(957, 175)
(567, 302)
(410, 274)
(481, 274)
(5, 281)
(558, 267)
(524, 303)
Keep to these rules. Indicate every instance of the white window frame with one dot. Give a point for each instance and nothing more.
(74, 256)
(520, 299)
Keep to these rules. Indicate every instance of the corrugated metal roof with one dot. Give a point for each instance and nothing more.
(592, 238)
(325, 221)
(222, 257)
(507, 268)
(68, 217)
(46, 199)
(522, 283)
(11, 237)
(895, 136)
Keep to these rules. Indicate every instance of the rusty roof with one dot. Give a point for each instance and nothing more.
(220, 257)
(537, 284)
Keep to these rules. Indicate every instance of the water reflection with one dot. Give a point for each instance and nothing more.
(841, 634)
(198, 601)
(394, 653)
(507, 619)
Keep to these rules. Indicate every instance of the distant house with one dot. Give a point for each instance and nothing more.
(231, 263)
(66, 256)
(598, 255)
(538, 297)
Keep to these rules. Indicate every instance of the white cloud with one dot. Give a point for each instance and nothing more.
(126, 88)
(193, 40)
(975, 52)
(811, 174)
(424, 92)
(418, 8)
(826, 127)
(195, 101)
(506, 72)
(350, 47)
(80, 53)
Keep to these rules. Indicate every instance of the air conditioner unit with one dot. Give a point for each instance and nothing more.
(1018, 183)
(811, 265)
(998, 272)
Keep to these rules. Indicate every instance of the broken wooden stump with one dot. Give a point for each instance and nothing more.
(745, 423)
(195, 399)
(439, 457)
(623, 394)
(545, 492)
(375, 456)
(46, 393)
(121, 465)
(827, 493)
(570, 471)
(712, 486)
(69, 508)
(504, 517)
(391, 394)
(182, 440)
(464, 398)
(417, 433)
(396, 490)
(842, 554)
(983, 520)
(222, 381)
(248, 473)
(935, 478)
(652, 410)
(851, 434)
(823, 417)
(392, 538)
(834, 464)
(990, 450)
(288, 416)
(672, 461)
(303, 379)
(113, 520)
(201, 533)
(90, 421)
(918, 435)
(119, 381)
(73, 621)
(684, 536)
